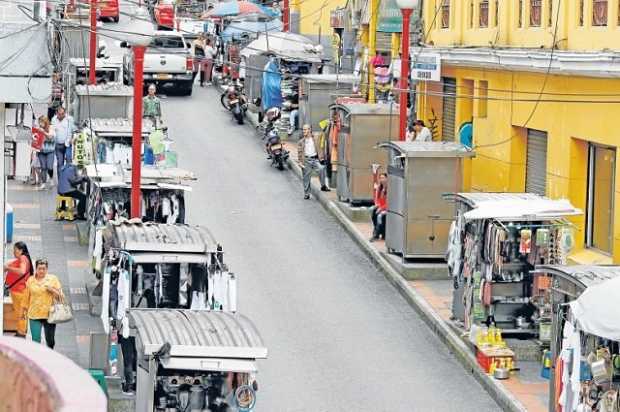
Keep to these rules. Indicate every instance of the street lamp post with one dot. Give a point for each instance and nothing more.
(92, 52)
(406, 7)
(138, 35)
(286, 16)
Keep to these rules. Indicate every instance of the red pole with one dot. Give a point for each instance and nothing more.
(136, 141)
(286, 15)
(92, 56)
(404, 73)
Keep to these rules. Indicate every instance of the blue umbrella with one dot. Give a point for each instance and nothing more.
(237, 29)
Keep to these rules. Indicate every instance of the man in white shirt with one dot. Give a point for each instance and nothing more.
(63, 129)
(311, 157)
(422, 133)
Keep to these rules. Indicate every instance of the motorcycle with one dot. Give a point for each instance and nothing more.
(276, 151)
(233, 99)
(269, 122)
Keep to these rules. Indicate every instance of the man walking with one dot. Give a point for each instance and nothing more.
(64, 128)
(151, 106)
(311, 157)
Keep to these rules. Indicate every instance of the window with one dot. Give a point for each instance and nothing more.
(496, 13)
(601, 170)
(580, 12)
(599, 13)
(535, 13)
(445, 14)
(550, 13)
(483, 94)
(520, 13)
(471, 14)
(483, 19)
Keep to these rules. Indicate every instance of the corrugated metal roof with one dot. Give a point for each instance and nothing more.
(117, 126)
(331, 78)
(109, 89)
(197, 333)
(368, 108)
(587, 275)
(429, 149)
(473, 199)
(136, 236)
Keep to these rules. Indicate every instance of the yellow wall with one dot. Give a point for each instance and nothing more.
(506, 32)
(500, 136)
(314, 14)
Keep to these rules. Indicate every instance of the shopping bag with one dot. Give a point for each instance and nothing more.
(37, 138)
(60, 312)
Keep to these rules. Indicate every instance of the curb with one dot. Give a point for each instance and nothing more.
(448, 336)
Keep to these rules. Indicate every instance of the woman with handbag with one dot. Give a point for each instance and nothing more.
(18, 271)
(42, 290)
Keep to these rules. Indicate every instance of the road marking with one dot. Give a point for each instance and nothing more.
(77, 291)
(33, 226)
(77, 263)
(25, 205)
(79, 306)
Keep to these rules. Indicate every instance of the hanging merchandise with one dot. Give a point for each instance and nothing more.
(82, 149)
(525, 244)
(542, 237)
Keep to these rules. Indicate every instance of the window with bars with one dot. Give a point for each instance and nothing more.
(535, 13)
(520, 18)
(599, 12)
(483, 19)
(445, 14)
(581, 12)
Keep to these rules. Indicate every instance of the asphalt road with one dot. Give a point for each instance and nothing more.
(340, 337)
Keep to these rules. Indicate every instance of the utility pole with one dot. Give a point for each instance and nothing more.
(286, 16)
(92, 56)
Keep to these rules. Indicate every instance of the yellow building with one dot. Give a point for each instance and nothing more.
(543, 116)
(311, 18)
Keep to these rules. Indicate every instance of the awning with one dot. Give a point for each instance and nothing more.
(597, 312)
(196, 334)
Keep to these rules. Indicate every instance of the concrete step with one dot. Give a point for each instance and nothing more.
(355, 213)
(418, 270)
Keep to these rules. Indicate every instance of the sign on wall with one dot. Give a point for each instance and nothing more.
(426, 66)
(391, 18)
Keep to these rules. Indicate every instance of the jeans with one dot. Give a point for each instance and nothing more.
(48, 328)
(61, 152)
(128, 349)
(378, 222)
(46, 160)
(293, 119)
(81, 199)
(312, 165)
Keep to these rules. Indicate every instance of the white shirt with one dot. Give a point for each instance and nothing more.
(425, 135)
(309, 149)
(209, 52)
(63, 129)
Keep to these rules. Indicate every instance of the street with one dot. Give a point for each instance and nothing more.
(340, 336)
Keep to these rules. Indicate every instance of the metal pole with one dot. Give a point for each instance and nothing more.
(404, 73)
(92, 56)
(286, 16)
(136, 141)
(372, 47)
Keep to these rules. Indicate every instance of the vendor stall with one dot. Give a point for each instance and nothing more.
(362, 126)
(419, 173)
(112, 100)
(494, 243)
(585, 332)
(318, 91)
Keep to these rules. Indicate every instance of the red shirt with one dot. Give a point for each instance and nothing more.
(380, 199)
(13, 275)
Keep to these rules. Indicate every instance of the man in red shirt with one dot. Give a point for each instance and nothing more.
(379, 210)
(18, 271)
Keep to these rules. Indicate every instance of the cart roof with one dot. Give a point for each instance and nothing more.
(193, 333)
(586, 275)
(114, 174)
(367, 108)
(99, 63)
(429, 149)
(331, 78)
(117, 127)
(110, 89)
(135, 236)
(515, 206)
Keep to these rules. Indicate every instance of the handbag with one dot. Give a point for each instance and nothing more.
(60, 312)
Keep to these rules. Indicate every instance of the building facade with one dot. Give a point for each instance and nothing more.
(539, 83)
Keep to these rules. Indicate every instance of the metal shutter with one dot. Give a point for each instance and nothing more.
(449, 108)
(536, 168)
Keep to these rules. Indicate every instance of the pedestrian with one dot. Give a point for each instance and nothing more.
(151, 106)
(207, 67)
(46, 153)
(41, 290)
(56, 95)
(69, 180)
(422, 133)
(379, 210)
(18, 271)
(64, 127)
(410, 134)
(198, 50)
(311, 157)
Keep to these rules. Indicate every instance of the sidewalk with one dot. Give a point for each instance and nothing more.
(58, 242)
(432, 299)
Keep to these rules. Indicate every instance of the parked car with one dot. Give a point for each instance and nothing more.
(107, 9)
(163, 13)
(168, 63)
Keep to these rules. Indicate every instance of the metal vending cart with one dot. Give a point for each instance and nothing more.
(318, 91)
(363, 126)
(419, 173)
(565, 284)
(195, 360)
(113, 100)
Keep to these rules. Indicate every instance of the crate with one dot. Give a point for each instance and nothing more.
(486, 357)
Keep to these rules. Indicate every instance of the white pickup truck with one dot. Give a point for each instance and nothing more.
(168, 63)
